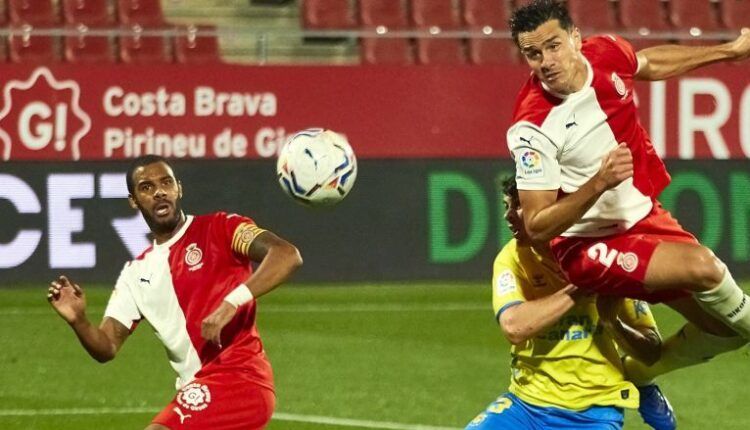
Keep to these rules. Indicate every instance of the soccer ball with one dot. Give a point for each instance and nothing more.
(317, 167)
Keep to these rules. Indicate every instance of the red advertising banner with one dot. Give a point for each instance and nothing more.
(230, 111)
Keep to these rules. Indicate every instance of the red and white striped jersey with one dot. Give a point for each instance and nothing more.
(558, 141)
(176, 284)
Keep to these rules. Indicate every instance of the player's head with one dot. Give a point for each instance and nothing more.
(550, 43)
(154, 190)
(513, 212)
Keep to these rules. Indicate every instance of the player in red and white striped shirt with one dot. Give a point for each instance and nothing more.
(588, 178)
(196, 288)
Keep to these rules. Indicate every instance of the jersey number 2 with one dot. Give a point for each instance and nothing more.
(599, 252)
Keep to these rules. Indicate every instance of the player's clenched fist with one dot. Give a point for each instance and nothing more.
(616, 167)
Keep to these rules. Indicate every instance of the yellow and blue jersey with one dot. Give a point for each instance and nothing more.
(575, 363)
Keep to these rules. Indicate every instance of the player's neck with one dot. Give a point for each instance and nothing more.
(161, 237)
(579, 78)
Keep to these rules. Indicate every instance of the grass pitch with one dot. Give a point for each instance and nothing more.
(412, 356)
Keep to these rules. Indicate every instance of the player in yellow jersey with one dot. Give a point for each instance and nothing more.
(566, 370)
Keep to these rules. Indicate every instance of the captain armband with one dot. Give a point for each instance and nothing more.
(244, 236)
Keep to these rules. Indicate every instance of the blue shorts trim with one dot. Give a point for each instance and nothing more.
(510, 412)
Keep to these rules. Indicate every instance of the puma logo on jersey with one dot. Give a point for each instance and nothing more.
(183, 417)
(146, 281)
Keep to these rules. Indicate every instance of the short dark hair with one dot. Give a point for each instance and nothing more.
(509, 187)
(536, 13)
(143, 160)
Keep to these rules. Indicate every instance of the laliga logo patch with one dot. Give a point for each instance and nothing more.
(40, 113)
(194, 397)
(619, 85)
(628, 261)
(193, 257)
(506, 283)
(531, 164)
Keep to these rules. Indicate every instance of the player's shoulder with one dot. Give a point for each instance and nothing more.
(609, 49)
(533, 103)
(507, 258)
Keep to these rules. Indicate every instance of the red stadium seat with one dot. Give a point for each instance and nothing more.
(486, 13)
(644, 16)
(438, 13)
(387, 13)
(192, 45)
(694, 14)
(142, 12)
(440, 51)
(33, 12)
(135, 48)
(594, 16)
(328, 14)
(394, 51)
(85, 48)
(492, 51)
(88, 12)
(29, 48)
(736, 13)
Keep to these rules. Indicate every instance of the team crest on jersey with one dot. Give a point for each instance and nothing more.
(531, 164)
(195, 397)
(193, 257)
(619, 85)
(628, 261)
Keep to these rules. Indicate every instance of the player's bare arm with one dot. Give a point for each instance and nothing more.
(547, 217)
(639, 341)
(278, 260)
(666, 61)
(69, 300)
(525, 320)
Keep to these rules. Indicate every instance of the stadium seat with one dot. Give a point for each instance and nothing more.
(88, 12)
(435, 13)
(141, 12)
(393, 51)
(135, 48)
(328, 14)
(594, 16)
(486, 13)
(85, 48)
(29, 48)
(387, 13)
(736, 14)
(192, 47)
(694, 14)
(644, 16)
(492, 51)
(440, 51)
(33, 12)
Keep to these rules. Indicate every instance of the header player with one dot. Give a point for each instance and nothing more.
(196, 288)
(565, 369)
(588, 176)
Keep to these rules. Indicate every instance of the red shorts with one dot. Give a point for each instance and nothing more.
(616, 265)
(221, 401)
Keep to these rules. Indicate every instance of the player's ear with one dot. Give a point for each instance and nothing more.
(131, 201)
(179, 189)
(575, 37)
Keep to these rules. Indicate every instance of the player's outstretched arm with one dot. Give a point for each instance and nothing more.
(666, 61)
(278, 260)
(69, 300)
(640, 341)
(525, 320)
(546, 217)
